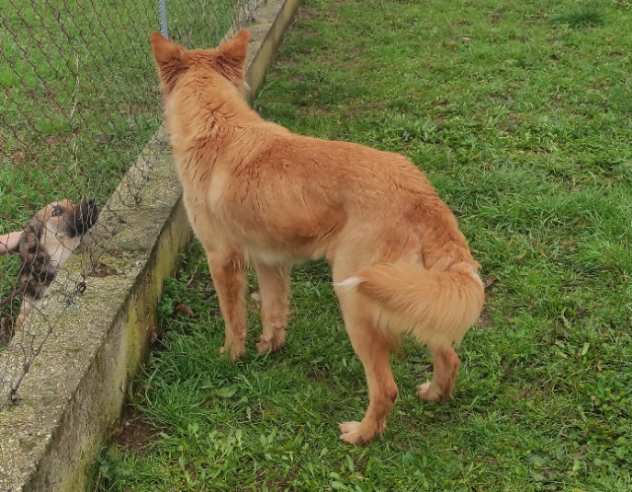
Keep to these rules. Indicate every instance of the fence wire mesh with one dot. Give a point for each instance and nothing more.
(78, 102)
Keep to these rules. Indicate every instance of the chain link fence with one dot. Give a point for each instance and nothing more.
(79, 100)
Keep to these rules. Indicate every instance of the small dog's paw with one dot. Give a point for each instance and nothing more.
(428, 392)
(355, 432)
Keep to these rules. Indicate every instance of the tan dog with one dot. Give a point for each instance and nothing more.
(44, 245)
(255, 191)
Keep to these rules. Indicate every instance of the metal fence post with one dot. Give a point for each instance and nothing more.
(162, 12)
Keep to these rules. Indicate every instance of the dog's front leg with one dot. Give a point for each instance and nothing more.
(227, 270)
(274, 287)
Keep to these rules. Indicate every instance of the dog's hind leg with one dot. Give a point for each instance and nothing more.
(446, 364)
(373, 349)
(229, 279)
(274, 287)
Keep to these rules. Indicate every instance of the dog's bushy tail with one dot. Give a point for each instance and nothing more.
(437, 307)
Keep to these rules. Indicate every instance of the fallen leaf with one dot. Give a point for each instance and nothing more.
(184, 310)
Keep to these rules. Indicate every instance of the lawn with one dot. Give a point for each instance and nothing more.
(520, 112)
(78, 96)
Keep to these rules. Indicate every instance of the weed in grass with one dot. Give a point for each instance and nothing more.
(586, 16)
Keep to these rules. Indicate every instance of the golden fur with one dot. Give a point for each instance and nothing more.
(255, 192)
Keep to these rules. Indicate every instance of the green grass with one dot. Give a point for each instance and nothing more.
(520, 114)
(78, 96)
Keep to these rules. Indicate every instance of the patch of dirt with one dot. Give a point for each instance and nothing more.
(18, 157)
(134, 433)
(484, 320)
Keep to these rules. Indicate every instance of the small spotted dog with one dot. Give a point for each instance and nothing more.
(44, 245)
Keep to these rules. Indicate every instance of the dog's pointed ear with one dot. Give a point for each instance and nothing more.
(169, 58)
(232, 53)
(165, 51)
(9, 243)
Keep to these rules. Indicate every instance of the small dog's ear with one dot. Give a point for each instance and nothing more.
(9, 243)
(232, 53)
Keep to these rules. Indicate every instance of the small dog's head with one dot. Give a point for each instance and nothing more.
(65, 218)
(48, 240)
(227, 61)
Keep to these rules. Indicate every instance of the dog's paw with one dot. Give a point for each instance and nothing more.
(267, 345)
(355, 432)
(234, 352)
(428, 392)
(264, 346)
